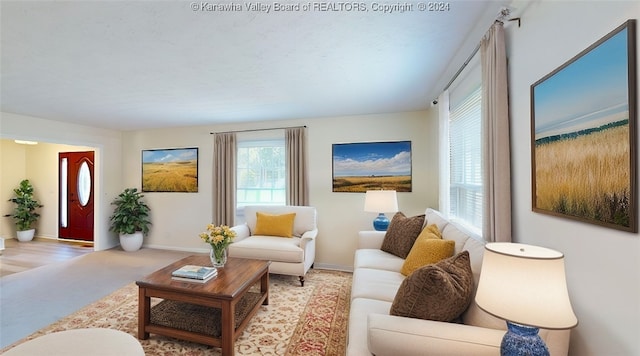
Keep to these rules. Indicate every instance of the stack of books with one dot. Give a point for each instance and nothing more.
(191, 273)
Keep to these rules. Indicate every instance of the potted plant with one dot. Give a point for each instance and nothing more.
(24, 213)
(130, 219)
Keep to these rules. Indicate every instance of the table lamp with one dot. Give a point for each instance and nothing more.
(526, 286)
(381, 201)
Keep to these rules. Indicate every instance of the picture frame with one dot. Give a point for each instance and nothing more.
(583, 135)
(170, 170)
(358, 167)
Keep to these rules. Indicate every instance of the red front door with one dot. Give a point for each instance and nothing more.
(76, 196)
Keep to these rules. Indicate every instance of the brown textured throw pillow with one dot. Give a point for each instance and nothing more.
(440, 291)
(401, 234)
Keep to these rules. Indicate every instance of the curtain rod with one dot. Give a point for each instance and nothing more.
(501, 18)
(464, 65)
(251, 130)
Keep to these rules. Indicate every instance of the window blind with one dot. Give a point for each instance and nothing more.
(465, 159)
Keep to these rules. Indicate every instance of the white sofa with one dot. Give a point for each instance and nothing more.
(376, 279)
(291, 256)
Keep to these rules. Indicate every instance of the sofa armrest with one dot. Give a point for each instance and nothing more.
(311, 234)
(370, 239)
(242, 232)
(307, 237)
(393, 335)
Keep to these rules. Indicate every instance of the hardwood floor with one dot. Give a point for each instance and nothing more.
(21, 256)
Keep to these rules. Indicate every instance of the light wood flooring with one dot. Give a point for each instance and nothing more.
(21, 256)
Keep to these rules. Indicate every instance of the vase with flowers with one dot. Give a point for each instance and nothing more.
(219, 238)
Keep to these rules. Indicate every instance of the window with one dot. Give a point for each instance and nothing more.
(463, 186)
(465, 175)
(261, 173)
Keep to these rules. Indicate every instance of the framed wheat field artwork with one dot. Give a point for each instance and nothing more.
(170, 170)
(583, 135)
(362, 166)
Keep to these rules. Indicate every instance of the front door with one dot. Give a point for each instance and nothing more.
(76, 195)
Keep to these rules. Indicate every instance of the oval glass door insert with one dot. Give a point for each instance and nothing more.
(84, 184)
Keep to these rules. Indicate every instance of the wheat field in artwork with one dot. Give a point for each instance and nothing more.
(171, 170)
(170, 177)
(587, 176)
(360, 184)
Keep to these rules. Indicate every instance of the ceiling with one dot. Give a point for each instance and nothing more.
(130, 65)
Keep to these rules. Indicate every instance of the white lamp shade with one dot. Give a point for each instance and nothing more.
(381, 201)
(526, 285)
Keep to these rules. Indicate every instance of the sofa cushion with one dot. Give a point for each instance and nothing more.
(394, 335)
(359, 310)
(274, 225)
(440, 291)
(375, 284)
(376, 259)
(429, 248)
(401, 234)
(435, 217)
(261, 247)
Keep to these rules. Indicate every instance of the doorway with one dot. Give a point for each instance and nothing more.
(76, 195)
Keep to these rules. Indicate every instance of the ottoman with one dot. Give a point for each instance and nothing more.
(80, 342)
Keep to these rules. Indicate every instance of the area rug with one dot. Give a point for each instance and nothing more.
(309, 320)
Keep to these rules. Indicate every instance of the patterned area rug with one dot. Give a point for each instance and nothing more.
(309, 320)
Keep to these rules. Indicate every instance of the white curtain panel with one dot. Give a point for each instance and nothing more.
(443, 149)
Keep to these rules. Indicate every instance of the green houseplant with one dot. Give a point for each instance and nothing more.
(25, 213)
(130, 219)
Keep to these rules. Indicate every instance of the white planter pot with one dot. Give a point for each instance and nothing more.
(26, 235)
(131, 242)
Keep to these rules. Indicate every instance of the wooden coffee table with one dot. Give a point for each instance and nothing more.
(224, 292)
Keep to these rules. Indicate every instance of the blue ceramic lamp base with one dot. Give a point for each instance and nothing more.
(381, 222)
(522, 340)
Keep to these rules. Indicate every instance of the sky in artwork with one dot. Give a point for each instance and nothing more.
(171, 155)
(591, 91)
(377, 158)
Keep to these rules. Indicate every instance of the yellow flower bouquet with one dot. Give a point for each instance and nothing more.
(219, 238)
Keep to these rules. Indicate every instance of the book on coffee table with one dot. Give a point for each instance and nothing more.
(194, 280)
(195, 272)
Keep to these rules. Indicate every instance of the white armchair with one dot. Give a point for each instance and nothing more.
(290, 256)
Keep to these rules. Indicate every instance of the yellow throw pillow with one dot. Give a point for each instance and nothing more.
(274, 225)
(433, 232)
(429, 248)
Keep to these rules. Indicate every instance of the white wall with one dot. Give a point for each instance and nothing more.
(603, 265)
(341, 215)
(12, 171)
(39, 164)
(178, 217)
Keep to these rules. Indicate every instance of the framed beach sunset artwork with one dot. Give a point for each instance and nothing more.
(362, 166)
(583, 135)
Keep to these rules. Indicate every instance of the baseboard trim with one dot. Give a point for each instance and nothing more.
(175, 248)
(332, 267)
